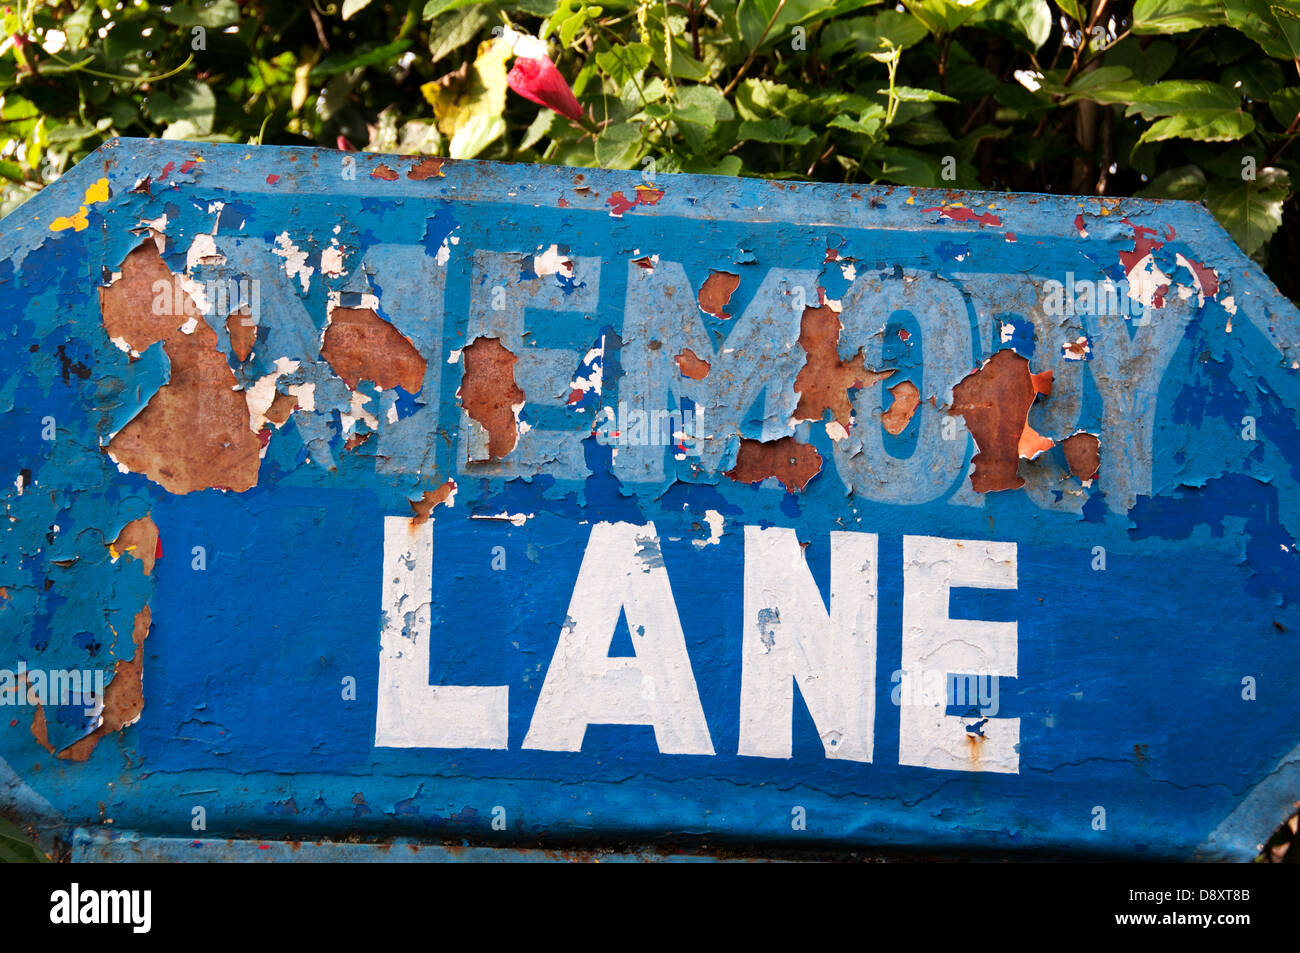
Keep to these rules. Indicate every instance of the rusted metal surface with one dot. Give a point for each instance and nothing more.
(383, 497)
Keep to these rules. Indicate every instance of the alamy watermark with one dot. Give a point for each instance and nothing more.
(1101, 297)
(56, 687)
(633, 427)
(924, 686)
(216, 296)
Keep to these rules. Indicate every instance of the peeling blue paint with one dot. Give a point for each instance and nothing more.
(245, 660)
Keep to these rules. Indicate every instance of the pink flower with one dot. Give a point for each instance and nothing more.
(537, 79)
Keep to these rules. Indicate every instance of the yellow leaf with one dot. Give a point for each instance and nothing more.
(485, 93)
(432, 92)
(301, 90)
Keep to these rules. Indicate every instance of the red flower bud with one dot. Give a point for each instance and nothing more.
(537, 79)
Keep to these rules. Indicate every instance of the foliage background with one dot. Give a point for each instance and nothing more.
(1161, 98)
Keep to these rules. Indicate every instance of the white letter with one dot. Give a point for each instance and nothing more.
(790, 638)
(928, 737)
(59, 912)
(622, 569)
(142, 916)
(411, 713)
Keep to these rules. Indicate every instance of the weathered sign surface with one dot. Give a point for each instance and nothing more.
(397, 497)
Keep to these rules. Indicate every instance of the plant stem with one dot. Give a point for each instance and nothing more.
(744, 67)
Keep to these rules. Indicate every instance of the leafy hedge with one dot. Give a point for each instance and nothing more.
(1166, 98)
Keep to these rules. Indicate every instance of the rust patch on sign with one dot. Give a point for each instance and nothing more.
(123, 695)
(1083, 455)
(906, 399)
(360, 345)
(282, 405)
(194, 432)
(825, 379)
(40, 731)
(427, 169)
(382, 171)
(716, 293)
(995, 401)
(791, 462)
(691, 365)
(243, 333)
(489, 393)
(1042, 383)
(138, 539)
(431, 498)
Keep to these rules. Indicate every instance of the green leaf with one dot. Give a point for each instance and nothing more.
(727, 165)
(1108, 85)
(868, 122)
(944, 16)
(1285, 105)
(1251, 211)
(780, 131)
(1147, 63)
(450, 33)
(1176, 95)
(1074, 10)
(1183, 182)
(1031, 19)
(1255, 76)
(423, 138)
(683, 65)
(862, 126)
(15, 848)
(617, 146)
(1288, 21)
(1176, 16)
(634, 97)
(910, 94)
(368, 55)
(76, 25)
(567, 19)
(16, 107)
(969, 143)
(1260, 20)
(760, 98)
(967, 79)
(865, 34)
(187, 101)
(753, 16)
(210, 14)
(625, 62)
(707, 99)
(533, 8)
(1206, 125)
(1020, 102)
(478, 132)
(908, 167)
(70, 133)
(538, 129)
(438, 7)
(921, 131)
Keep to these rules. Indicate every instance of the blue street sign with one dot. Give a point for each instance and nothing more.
(394, 497)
